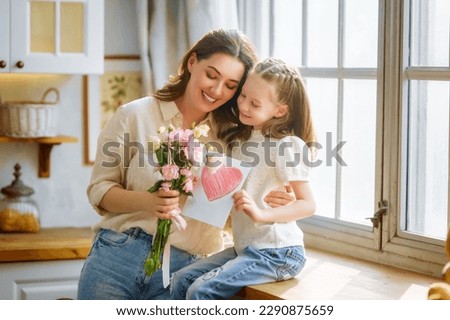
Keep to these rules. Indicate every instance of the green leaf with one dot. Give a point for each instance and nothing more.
(156, 186)
(161, 156)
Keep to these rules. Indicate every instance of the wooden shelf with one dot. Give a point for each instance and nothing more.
(45, 148)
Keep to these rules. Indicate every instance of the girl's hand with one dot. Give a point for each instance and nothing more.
(243, 202)
(280, 196)
(163, 204)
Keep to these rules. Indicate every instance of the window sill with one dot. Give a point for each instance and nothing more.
(328, 276)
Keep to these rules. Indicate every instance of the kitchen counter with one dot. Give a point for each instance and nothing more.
(47, 244)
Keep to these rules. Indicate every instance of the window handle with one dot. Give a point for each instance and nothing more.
(378, 215)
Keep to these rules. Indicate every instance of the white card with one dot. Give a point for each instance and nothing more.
(212, 195)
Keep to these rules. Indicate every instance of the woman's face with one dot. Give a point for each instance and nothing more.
(213, 81)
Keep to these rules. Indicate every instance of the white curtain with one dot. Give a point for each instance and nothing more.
(168, 28)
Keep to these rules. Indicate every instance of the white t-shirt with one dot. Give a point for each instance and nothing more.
(274, 163)
(132, 125)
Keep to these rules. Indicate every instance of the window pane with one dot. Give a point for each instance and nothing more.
(322, 33)
(359, 132)
(428, 158)
(430, 32)
(361, 33)
(324, 110)
(287, 40)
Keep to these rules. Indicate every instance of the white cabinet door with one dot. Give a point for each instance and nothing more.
(4, 35)
(47, 280)
(55, 36)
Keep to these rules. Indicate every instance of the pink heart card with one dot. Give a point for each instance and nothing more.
(212, 195)
(221, 182)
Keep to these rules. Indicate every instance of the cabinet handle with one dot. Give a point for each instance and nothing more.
(20, 64)
(2, 64)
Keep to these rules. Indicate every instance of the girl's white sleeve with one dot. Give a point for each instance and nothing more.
(292, 158)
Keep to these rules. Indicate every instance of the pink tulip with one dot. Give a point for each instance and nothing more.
(166, 186)
(188, 185)
(186, 172)
(170, 171)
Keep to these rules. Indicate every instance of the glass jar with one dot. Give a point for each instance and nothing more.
(18, 211)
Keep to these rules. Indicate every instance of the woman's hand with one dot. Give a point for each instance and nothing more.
(243, 202)
(163, 204)
(280, 196)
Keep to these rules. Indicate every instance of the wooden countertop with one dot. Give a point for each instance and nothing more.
(47, 244)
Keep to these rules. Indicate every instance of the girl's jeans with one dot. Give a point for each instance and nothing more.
(222, 275)
(114, 268)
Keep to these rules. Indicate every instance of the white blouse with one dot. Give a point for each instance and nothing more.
(274, 163)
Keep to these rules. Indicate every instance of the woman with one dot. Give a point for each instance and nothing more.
(208, 83)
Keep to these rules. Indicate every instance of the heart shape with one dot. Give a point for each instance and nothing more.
(220, 183)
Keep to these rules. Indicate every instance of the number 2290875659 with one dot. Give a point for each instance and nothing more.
(305, 310)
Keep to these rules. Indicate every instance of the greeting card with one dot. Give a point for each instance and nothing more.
(218, 179)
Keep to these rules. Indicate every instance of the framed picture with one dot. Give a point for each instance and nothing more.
(104, 94)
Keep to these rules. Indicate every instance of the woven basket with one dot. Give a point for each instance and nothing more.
(29, 118)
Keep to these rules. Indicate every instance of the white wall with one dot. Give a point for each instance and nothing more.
(62, 197)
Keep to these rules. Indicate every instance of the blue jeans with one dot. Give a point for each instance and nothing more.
(222, 275)
(114, 269)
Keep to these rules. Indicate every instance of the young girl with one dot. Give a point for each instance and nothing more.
(268, 244)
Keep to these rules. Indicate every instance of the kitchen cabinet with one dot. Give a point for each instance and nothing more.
(43, 265)
(42, 280)
(52, 36)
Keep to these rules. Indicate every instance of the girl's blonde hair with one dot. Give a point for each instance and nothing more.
(290, 90)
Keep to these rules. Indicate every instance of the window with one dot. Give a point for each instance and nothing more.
(427, 93)
(378, 75)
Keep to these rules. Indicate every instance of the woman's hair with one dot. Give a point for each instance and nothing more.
(230, 42)
(290, 90)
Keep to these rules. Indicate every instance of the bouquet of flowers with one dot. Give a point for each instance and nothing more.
(177, 152)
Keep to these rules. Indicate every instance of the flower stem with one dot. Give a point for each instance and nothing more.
(154, 260)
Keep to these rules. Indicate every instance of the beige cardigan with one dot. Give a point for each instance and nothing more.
(119, 162)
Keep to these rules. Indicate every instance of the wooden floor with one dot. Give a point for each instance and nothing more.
(331, 277)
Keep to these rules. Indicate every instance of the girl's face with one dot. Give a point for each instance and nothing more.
(257, 102)
(213, 81)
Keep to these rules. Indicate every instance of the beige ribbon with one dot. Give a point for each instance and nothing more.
(181, 224)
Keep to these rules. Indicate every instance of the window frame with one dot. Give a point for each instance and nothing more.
(387, 244)
(427, 254)
(342, 236)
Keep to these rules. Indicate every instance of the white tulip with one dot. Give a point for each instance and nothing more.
(154, 142)
(201, 131)
(161, 129)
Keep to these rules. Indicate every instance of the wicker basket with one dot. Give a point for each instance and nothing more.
(29, 118)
